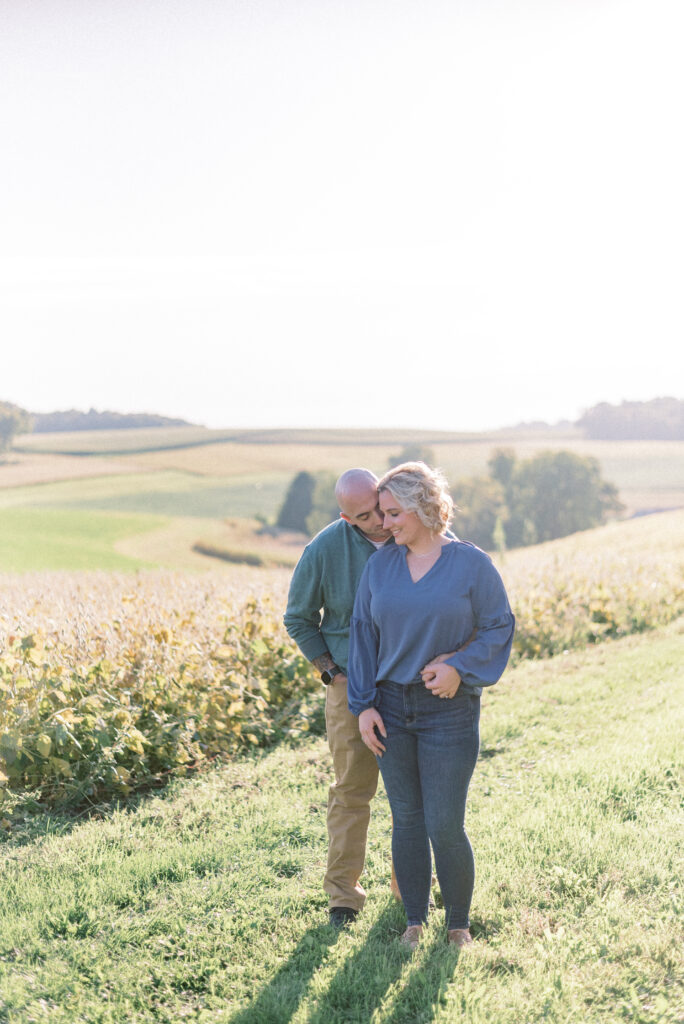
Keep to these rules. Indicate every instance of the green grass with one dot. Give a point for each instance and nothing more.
(242, 497)
(649, 475)
(47, 538)
(205, 904)
(166, 493)
(75, 524)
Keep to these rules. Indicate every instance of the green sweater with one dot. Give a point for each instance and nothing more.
(322, 591)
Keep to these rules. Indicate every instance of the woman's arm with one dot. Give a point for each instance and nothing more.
(483, 659)
(363, 652)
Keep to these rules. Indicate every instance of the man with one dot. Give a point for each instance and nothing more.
(326, 579)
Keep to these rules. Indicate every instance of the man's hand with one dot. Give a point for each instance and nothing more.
(369, 721)
(429, 671)
(441, 679)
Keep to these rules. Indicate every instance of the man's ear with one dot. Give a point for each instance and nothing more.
(346, 518)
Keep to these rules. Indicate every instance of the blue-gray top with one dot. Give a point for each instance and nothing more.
(398, 626)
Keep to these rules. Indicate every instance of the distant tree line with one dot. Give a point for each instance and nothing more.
(661, 419)
(73, 419)
(520, 502)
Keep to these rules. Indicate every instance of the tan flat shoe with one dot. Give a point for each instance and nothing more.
(460, 937)
(412, 936)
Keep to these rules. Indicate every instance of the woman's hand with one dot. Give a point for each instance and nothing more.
(369, 721)
(441, 679)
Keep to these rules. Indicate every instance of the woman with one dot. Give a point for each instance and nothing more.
(431, 626)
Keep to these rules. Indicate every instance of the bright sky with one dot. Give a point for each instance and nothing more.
(450, 215)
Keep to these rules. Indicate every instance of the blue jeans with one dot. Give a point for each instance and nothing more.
(431, 749)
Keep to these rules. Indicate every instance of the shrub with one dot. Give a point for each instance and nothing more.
(83, 732)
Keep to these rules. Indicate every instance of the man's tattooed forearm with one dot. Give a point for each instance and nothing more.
(324, 662)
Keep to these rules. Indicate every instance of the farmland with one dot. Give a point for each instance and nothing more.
(648, 474)
(163, 775)
(204, 903)
(176, 475)
(112, 680)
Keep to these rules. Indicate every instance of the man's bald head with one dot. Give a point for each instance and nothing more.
(356, 493)
(354, 482)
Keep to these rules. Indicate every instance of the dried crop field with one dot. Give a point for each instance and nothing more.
(203, 901)
(113, 680)
(23, 469)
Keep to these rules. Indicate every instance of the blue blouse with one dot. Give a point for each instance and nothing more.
(398, 626)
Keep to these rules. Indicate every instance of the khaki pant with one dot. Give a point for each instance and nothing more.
(349, 797)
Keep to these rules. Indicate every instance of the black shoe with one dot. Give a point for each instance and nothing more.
(340, 917)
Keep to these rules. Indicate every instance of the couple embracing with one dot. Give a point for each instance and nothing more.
(406, 624)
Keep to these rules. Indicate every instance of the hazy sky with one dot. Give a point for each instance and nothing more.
(456, 215)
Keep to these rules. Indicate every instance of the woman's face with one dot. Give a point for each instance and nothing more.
(405, 527)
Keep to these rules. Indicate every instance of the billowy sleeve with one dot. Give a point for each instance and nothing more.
(483, 660)
(363, 651)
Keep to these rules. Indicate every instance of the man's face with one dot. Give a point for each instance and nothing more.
(361, 509)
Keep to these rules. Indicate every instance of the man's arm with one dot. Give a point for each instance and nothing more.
(326, 663)
(428, 672)
(304, 628)
(304, 603)
(303, 614)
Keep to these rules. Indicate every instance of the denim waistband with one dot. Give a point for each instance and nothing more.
(389, 684)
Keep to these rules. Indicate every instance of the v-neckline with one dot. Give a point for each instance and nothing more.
(428, 571)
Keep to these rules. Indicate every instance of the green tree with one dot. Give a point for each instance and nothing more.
(13, 421)
(309, 504)
(298, 503)
(501, 465)
(324, 506)
(480, 504)
(555, 494)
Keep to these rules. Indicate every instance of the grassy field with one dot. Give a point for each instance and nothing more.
(114, 442)
(204, 904)
(20, 469)
(138, 520)
(247, 473)
(165, 492)
(38, 538)
(176, 475)
(143, 439)
(648, 474)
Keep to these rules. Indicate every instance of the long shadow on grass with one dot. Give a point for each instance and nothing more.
(361, 986)
(362, 982)
(425, 988)
(278, 1001)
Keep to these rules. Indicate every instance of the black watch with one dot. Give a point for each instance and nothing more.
(328, 675)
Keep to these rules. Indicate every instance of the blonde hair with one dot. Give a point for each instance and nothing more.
(422, 490)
